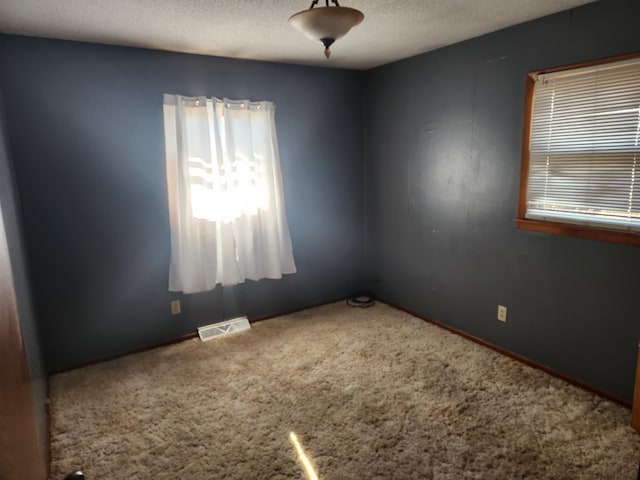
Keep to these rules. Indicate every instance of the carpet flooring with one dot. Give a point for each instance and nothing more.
(351, 393)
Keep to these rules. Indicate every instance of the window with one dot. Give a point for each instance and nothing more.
(226, 201)
(581, 151)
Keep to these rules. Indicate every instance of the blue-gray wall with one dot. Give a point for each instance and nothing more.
(443, 137)
(28, 328)
(85, 124)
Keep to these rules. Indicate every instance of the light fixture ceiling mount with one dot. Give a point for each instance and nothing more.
(326, 24)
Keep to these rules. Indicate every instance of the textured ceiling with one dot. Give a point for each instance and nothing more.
(257, 29)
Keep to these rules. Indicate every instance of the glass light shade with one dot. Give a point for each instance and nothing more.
(326, 24)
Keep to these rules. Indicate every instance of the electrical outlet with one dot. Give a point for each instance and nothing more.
(502, 313)
(175, 307)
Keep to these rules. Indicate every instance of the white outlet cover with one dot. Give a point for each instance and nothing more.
(175, 307)
(502, 313)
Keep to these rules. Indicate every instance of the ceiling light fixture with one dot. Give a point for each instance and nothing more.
(326, 24)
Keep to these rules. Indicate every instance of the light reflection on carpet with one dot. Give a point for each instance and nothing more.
(306, 463)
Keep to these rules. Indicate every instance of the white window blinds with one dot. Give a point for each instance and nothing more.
(584, 165)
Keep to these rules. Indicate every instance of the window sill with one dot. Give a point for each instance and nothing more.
(629, 238)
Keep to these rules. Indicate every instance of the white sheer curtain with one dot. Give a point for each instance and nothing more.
(226, 204)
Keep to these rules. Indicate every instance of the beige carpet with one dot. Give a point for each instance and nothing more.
(370, 394)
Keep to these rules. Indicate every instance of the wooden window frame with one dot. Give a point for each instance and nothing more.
(559, 228)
